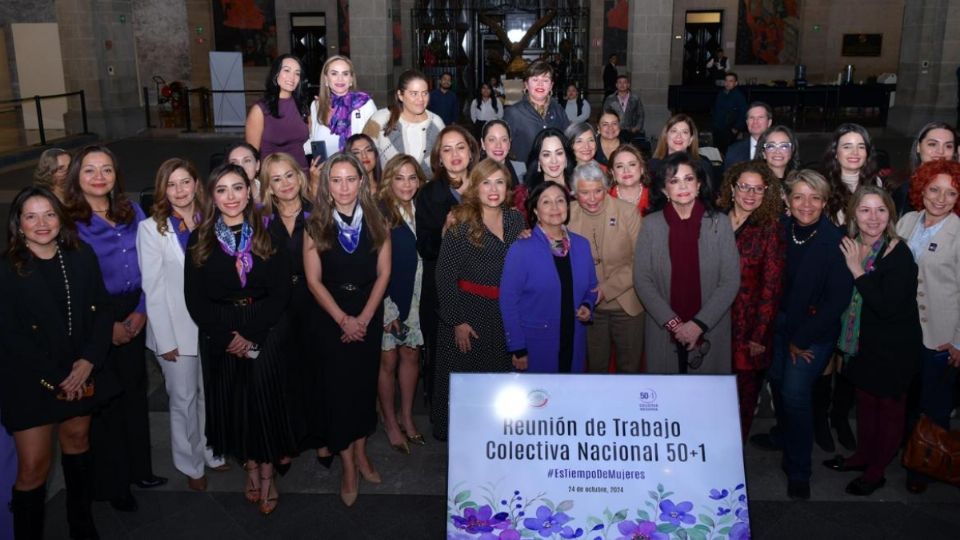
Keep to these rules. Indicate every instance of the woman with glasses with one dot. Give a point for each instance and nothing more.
(751, 197)
(816, 291)
(777, 146)
(686, 273)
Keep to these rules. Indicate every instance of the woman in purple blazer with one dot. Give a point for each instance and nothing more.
(548, 289)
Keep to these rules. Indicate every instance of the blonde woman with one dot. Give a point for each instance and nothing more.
(339, 110)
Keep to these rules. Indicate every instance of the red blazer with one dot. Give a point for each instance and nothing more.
(754, 311)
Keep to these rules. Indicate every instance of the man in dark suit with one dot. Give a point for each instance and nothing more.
(610, 74)
(759, 119)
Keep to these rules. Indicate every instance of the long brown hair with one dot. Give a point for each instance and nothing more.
(396, 107)
(389, 201)
(206, 237)
(47, 165)
(323, 97)
(439, 171)
(162, 209)
(267, 198)
(321, 226)
(119, 210)
(662, 149)
(470, 209)
(18, 253)
(771, 206)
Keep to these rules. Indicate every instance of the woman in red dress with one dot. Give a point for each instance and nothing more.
(751, 196)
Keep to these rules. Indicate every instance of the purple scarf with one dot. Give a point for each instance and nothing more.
(342, 106)
(240, 250)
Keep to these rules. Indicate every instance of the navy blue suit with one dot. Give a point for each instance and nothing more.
(737, 152)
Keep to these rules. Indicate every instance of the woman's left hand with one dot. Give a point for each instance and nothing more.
(72, 386)
(954, 354)
(584, 313)
(851, 255)
(135, 323)
(688, 334)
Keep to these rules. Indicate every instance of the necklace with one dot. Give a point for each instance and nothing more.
(632, 200)
(291, 214)
(793, 235)
(66, 285)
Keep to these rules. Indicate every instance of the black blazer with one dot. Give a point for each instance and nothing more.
(736, 153)
(821, 290)
(34, 340)
(433, 201)
(890, 335)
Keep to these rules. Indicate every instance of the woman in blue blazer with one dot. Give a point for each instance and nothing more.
(548, 289)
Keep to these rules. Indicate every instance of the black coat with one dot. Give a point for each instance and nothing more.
(890, 335)
(35, 344)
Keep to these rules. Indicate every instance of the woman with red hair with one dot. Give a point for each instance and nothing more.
(933, 235)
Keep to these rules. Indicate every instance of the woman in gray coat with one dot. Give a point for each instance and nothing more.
(687, 293)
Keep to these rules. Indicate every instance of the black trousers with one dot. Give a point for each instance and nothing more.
(120, 431)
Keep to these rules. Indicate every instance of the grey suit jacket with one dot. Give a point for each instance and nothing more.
(719, 283)
(631, 118)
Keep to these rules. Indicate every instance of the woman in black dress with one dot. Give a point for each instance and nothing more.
(237, 287)
(470, 336)
(346, 259)
(55, 329)
(283, 190)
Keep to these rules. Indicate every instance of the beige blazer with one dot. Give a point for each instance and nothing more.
(938, 284)
(615, 267)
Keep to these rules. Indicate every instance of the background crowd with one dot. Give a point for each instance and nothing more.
(293, 296)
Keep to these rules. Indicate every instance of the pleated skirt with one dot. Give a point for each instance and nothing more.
(248, 417)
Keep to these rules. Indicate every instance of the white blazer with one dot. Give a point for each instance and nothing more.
(938, 284)
(321, 132)
(161, 258)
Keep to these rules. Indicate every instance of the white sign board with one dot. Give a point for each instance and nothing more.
(226, 73)
(595, 456)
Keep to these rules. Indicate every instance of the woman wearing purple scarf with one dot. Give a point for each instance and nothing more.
(237, 287)
(338, 112)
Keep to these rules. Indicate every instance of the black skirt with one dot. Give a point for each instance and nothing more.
(246, 407)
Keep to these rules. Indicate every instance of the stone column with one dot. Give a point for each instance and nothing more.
(648, 43)
(929, 58)
(98, 49)
(371, 47)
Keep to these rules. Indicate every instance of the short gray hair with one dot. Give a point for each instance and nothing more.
(810, 177)
(589, 172)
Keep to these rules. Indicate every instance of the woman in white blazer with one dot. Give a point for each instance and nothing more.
(171, 333)
(933, 235)
(339, 110)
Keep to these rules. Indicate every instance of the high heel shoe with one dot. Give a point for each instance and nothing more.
(252, 489)
(268, 504)
(326, 461)
(403, 447)
(415, 439)
(373, 476)
(349, 497)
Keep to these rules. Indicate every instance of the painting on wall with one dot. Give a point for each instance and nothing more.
(768, 32)
(248, 27)
(616, 22)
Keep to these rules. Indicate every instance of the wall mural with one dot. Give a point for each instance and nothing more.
(768, 32)
(248, 27)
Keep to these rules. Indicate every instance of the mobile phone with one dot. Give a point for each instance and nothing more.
(254, 351)
(319, 150)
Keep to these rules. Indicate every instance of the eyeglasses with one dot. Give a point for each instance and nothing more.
(695, 360)
(747, 188)
(783, 147)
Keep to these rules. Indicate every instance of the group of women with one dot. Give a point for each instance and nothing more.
(295, 288)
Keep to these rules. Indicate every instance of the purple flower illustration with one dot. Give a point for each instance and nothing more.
(640, 530)
(479, 520)
(510, 534)
(740, 531)
(546, 523)
(717, 495)
(721, 511)
(568, 532)
(676, 513)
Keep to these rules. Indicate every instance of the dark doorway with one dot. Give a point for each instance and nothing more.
(701, 39)
(308, 41)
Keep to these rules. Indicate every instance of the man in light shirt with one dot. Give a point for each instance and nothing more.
(759, 118)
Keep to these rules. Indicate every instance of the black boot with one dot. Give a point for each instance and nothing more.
(78, 477)
(821, 404)
(844, 397)
(27, 508)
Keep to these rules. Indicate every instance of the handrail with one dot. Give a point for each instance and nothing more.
(50, 96)
(37, 99)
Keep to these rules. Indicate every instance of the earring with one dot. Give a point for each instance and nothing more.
(20, 232)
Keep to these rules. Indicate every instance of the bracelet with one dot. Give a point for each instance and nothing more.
(672, 324)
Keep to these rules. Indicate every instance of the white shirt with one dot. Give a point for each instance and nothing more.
(753, 147)
(571, 110)
(486, 112)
